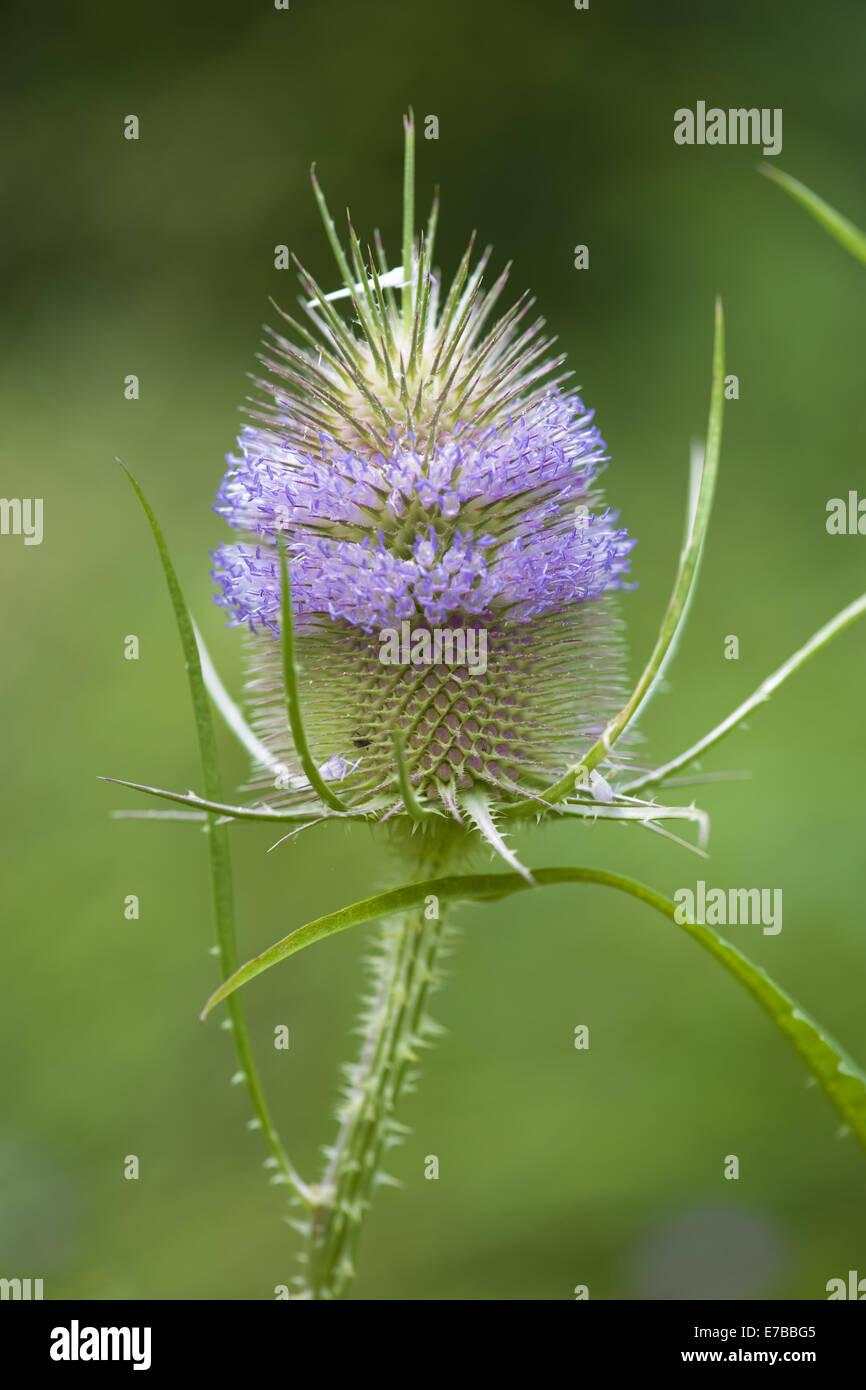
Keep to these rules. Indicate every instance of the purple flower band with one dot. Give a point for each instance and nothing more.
(495, 523)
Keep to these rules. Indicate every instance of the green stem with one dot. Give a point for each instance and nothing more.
(394, 1026)
(429, 939)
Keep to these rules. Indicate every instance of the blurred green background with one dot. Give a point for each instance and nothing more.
(156, 258)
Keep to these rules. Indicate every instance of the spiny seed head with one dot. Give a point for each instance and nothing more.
(452, 563)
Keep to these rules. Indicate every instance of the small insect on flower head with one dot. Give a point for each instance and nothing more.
(435, 486)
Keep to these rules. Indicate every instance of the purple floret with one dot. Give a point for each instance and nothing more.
(496, 523)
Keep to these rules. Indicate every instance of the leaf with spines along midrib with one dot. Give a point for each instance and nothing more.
(842, 1081)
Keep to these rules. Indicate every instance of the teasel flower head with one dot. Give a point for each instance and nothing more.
(429, 483)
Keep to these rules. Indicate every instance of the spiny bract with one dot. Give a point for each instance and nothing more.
(435, 485)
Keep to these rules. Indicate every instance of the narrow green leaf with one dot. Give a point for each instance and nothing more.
(679, 600)
(832, 221)
(840, 1078)
(293, 700)
(451, 303)
(331, 233)
(383, 271)
(432, 222)
(408, 221)
(231, 713)
(217, 834)
(389, 347)
(371, 326)
(254, 813)
(760, 696)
